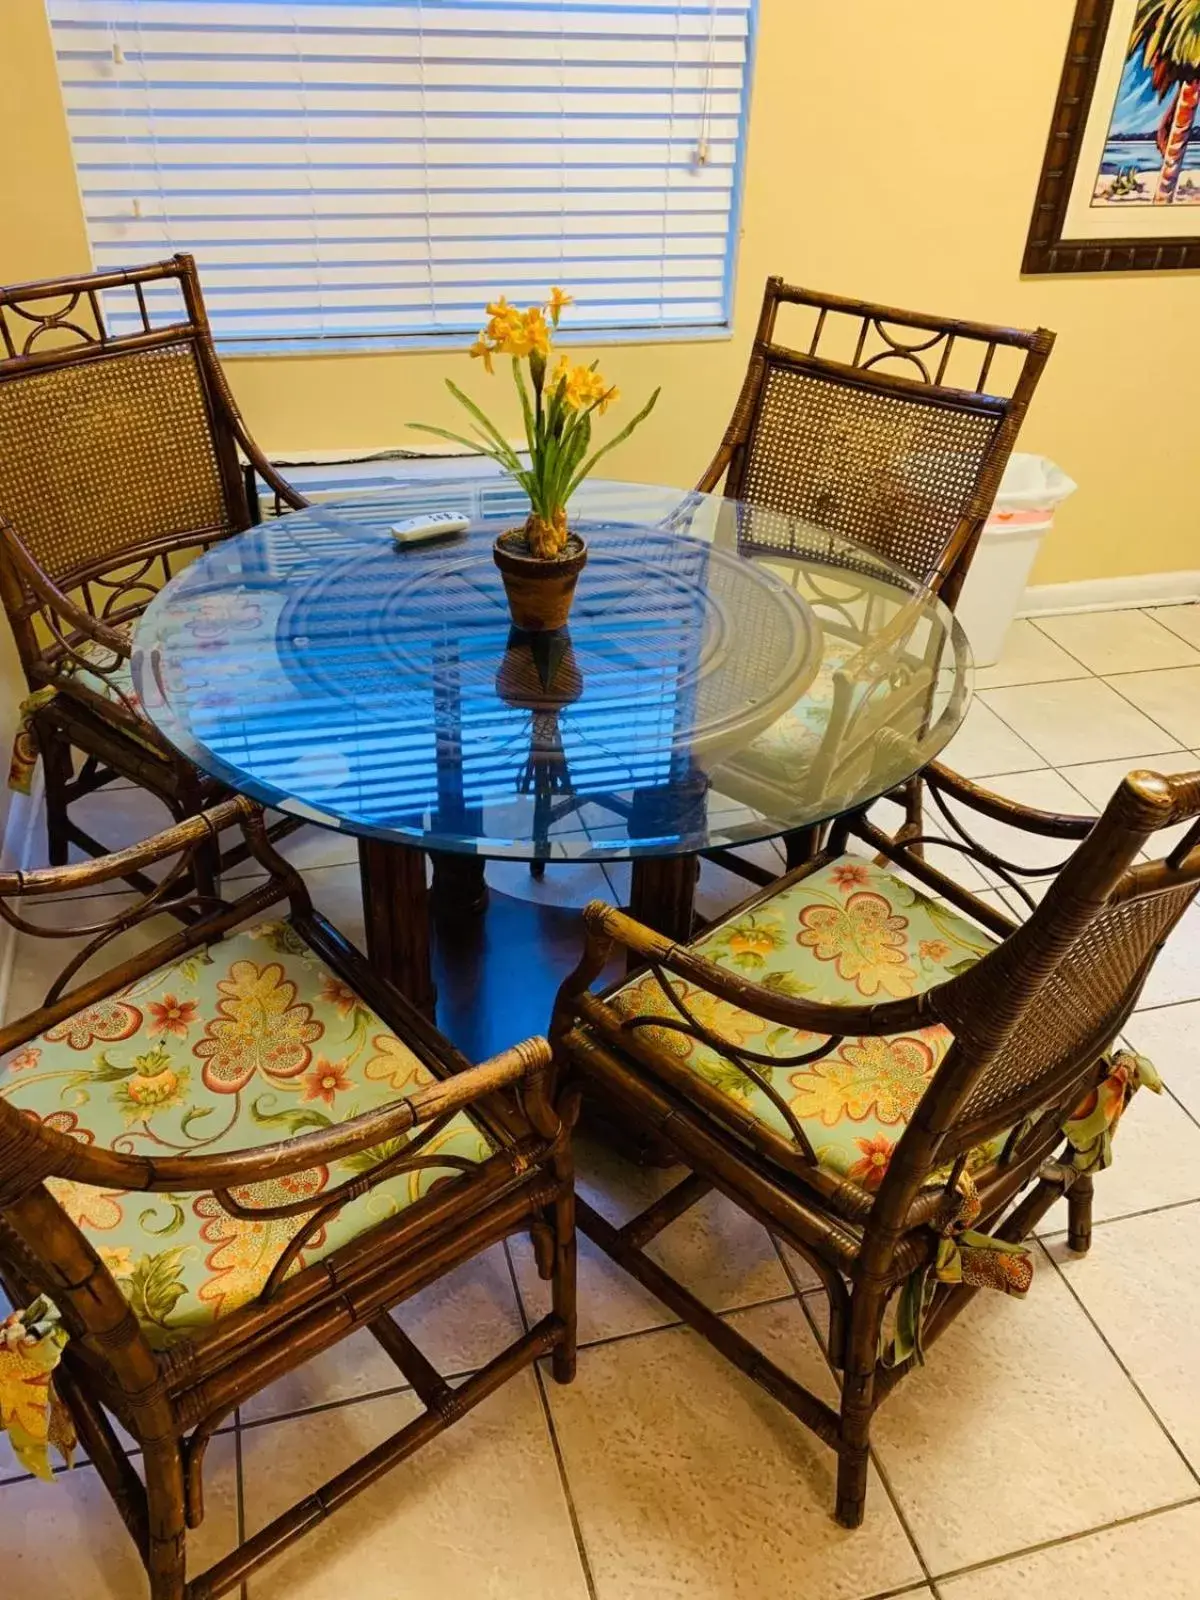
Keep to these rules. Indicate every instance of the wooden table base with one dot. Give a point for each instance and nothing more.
(459, 888)
(396, 913)
(399, 908)
(663, 893)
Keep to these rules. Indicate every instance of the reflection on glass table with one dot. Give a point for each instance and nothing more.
(729, 675)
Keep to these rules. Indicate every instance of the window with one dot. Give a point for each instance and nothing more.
(372, 172)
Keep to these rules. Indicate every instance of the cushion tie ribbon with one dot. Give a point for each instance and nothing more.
(1090, 1128)
(31, 1346)
(962, 1256)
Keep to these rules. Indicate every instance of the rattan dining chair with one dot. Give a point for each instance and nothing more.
(891, 428)
(898, 1085)
(224, 1155)
(883, 428)
(122, 456)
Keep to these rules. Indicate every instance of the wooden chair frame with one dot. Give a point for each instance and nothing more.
(922, 346)
(1032, 1022)
(927, 356)
(63, 620)
(172, 1402)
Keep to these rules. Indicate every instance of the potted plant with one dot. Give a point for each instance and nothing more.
(541, 561)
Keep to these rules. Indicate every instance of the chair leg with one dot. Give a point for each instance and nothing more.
(56, 768)
(206, 860)
(801, 846)
(858, 1406)
(166, 1554)
(563, 1288)
(1079, 1214)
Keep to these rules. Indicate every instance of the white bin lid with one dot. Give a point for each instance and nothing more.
(1033, 483)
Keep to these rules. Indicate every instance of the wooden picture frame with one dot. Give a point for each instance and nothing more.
(1136, 62)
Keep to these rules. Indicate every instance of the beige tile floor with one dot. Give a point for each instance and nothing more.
(1051, 1448)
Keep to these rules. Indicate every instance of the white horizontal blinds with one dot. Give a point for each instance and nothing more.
(360, 170)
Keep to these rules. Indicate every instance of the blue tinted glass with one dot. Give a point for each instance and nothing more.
(728, 674)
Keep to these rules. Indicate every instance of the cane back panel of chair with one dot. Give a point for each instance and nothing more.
(1088, 993)
(886, 469)
(105, 455)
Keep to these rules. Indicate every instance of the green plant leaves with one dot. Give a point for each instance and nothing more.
(612, 444)
(368, 1160)
(502, 445)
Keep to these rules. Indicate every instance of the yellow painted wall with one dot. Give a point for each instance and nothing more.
(893, 154)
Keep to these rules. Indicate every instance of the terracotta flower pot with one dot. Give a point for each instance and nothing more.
(539, 591)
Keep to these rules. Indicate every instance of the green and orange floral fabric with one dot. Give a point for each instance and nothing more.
(851, 932)
(1090, 1128)
(114, 682)
(963, 1256)
(31, 1346)
(251, 1041)
(798, 735)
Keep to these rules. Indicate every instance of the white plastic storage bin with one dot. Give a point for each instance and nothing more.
(1030, 491)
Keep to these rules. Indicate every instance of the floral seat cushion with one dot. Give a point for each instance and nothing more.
(252, 1041)
(797, 736)
(850, 932)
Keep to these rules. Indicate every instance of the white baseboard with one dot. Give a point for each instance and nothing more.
(1111, 594)
(16, 851)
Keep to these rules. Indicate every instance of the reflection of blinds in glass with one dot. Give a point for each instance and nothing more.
(372, 170)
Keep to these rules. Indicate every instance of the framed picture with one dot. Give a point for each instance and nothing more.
(1120, 184)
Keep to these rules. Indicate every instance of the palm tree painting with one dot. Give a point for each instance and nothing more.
(1152, 152)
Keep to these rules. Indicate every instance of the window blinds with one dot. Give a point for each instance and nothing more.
(372, 171)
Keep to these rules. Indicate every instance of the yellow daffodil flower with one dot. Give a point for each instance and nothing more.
(557, 399)
(557, 304)
(583, 388)
(483, 349)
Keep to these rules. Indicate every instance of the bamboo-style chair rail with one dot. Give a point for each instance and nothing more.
(123, 455)
(902, 462)
(173, 1400)
(922, 492)
(1032, 1025)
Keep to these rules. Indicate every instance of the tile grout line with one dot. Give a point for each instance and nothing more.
(921, 1588)
(555, 1445)
(1065, 1279)
(466, 1372)
(1172, 1096)
(585, 1564)
(1126, 1216)
(1164, 1005)
(1069, 1538)
(1141, 611)
(1164, 731)
(1087, 674)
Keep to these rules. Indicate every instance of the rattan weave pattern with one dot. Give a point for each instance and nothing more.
(102, 456)
(1090, 987)
(890, 471)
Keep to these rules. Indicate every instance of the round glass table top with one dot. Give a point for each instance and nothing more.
(728, 674)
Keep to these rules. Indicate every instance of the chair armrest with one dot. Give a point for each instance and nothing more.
(269, 474)
(259, 1164)
(1049, 824)
(606, 926)
(46, 882)
(716, 469)
(52, 596)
